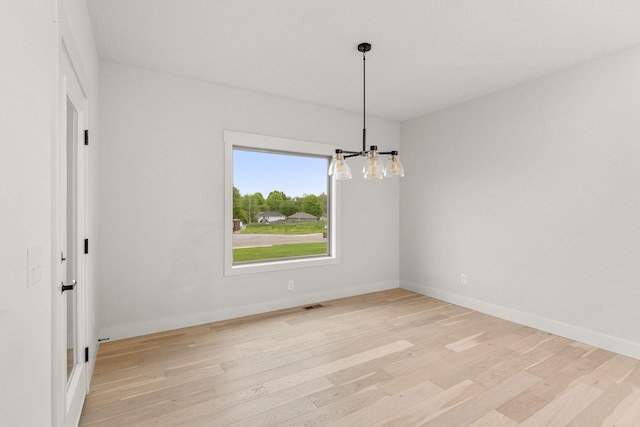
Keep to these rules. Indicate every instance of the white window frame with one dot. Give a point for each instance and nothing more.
(256, 142)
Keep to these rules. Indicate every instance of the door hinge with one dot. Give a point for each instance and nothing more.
(86, 354)
(86, 246)
(86, 137)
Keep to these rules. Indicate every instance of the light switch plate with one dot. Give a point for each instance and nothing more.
(34, 265)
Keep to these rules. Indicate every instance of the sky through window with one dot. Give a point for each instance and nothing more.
(295, 175)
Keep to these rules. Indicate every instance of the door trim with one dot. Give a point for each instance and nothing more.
(68, 396)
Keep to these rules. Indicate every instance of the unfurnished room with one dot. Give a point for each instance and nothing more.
(304, 212)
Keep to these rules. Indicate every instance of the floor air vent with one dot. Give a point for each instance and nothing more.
(311, 307)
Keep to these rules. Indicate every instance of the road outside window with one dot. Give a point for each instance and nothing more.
(280, 205)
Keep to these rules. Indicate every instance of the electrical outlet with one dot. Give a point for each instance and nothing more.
(291, 285)
(463, 279)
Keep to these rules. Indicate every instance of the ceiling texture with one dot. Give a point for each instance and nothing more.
(426, 55)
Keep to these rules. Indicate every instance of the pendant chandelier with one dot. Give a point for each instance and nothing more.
(373, 167)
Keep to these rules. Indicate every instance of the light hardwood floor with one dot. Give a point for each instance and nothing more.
(391, 358)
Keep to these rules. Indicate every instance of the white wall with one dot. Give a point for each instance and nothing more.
(29, 46)
(28, 63)
(534, 193)
(161, 209)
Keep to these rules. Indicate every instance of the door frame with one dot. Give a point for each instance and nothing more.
(68, 396)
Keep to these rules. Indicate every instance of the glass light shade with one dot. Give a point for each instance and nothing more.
(342, 170)
(332, 165)
(394, 167)
(373, 167)
(339, 168)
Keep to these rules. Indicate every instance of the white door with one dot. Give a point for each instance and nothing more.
(69, 325)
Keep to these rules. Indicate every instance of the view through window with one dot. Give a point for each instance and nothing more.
(280, 205)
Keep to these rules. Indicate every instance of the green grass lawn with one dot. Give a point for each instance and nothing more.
(293, 228)
(279, 251)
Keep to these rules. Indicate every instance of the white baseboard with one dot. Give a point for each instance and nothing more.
(176, 322)
(576, 333)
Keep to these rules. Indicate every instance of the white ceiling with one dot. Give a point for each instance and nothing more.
(427, 54)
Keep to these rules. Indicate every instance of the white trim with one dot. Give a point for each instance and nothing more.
(69, 47)
(270, 143)
(607, 342)
(71, 82)
(166, 324)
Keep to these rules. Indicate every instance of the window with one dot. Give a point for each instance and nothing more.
(279, 204)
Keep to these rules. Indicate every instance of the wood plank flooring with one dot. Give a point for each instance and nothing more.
(392, 358)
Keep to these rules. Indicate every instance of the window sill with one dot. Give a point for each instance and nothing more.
(274, 265)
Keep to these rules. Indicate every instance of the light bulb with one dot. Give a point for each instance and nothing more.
(394, 167)
(373, 167)
(339, 167)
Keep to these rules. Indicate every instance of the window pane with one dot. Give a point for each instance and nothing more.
(280, 205)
